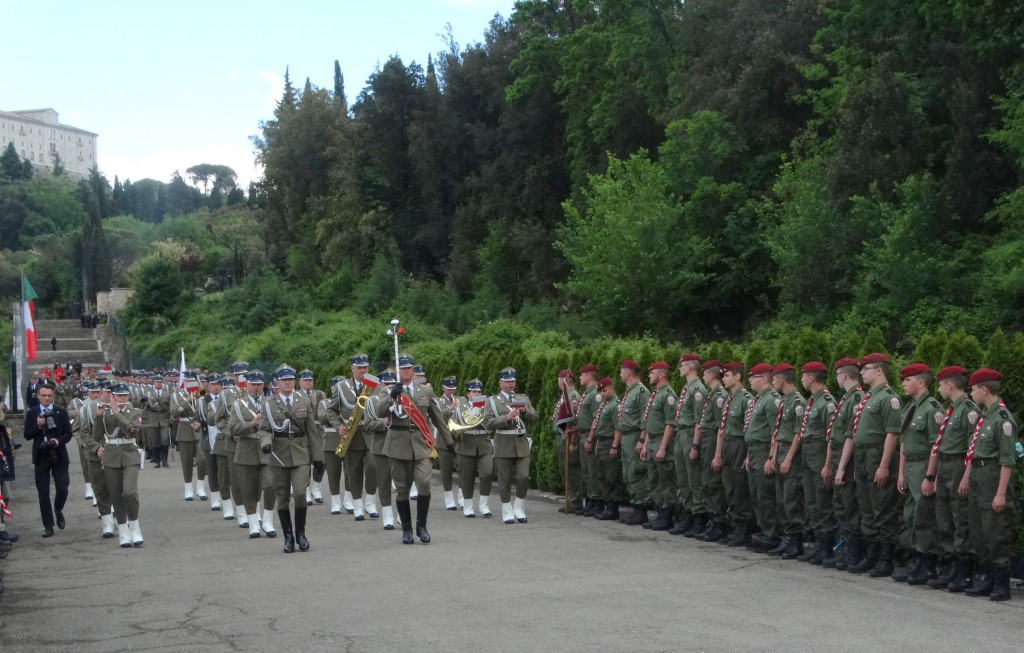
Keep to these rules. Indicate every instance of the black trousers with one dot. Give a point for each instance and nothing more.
(61, 481)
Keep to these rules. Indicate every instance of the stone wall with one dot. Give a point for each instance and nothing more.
(112, 301)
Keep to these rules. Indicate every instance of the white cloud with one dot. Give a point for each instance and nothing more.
(161, 164)
(276, 88)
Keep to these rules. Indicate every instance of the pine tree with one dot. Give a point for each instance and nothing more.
(340, 101)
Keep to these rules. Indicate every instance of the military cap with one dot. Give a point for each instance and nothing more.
(709, 364)
(335, 379)
(604, 383)
(240, 367)
(360, 360)
(874, 358)
(450, 382)
(191, 375)
(418, 370)
(227, 381)
(630, 364)
(255, 377)
(760, 368)
(284, 372)
(405, 360)
(660, 365)
(306, 374)
(158, 377)
(813, 366)
(566, 374)
(689, 357)
(985, 374)
(948, 371)
(846, 362)
(782, 367)
(588, 368)
(914, 369)
(119, 389)
(93, 387)
(388, 376)
(735, 367)
(474, 385)
(507, 374)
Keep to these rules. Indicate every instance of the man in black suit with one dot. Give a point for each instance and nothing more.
(49, 428)
(30, 392)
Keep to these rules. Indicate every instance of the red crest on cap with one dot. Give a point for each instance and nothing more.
(734, 366)
(913, 370)
(846, 362)
(660, 365)
(813, 366)
(985, 374)
(874, 358)
(760, 368)
(782, 367)
(709, 364)
(689, 357)
(604, 383)
(630, 364)
(948, 371)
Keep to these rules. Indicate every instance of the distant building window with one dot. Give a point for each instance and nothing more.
(53, 147)
(31, 156)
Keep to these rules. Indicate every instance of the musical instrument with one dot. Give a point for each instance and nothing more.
(353, 420)
(518, 405)
(471, 418)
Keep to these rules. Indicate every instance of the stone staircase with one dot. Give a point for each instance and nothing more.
(74, 344)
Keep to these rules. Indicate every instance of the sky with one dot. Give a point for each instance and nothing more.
(173, 84)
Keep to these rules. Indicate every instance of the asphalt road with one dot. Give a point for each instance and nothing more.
(557, 583)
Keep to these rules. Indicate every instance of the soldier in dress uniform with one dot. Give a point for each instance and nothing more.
(689, 486)
(786, 463)
(475, 452)
(449, 401)
(406, 446)
(155, 416)
(655, 445)
(360, 472)
(217, 426)
(758, 429)
(507, 415)
(922, 416)
(731, 452)
(991, 458)
(243, 428)
(376, 426)
(839, 470)
(287, 435)
(568, 463)
(185, 413)
(78, 411)
(585, 413)
(943, 476)
(821, 406)
(314, 494)
(634, 475)
(104, 504)
(114, 440)
(329, 425)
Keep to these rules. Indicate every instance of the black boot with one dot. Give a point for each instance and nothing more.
(925, 572)
(839, 553)
(984, 581)
(781, 547)
(823, 550)
(664, 520)
(795, 548)
(868, 562)
(592, 507)
(942, 580)
(405, 514)
(884, 565)
(1000, 584)
(610, 512)
(300, 528)
(285, 517)
(903, 573)
(680, 527)
(700, 522)
(712, 532)
(635, 517)
(741, 536)
(422, 508)
(962, 579)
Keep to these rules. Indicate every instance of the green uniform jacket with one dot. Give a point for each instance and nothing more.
(290, 431)
(587, 410)
(960, 428)
(661, 413)
(631, 408)
(217, 416)
(998, 437)
(820, 410)
(714, 402)
(881, 415)
(690, 405)
(246, 436)
(181, 409)
(608, 418)
(509, 436)
(762, 421)
(339, 409)
(793, 408)
(404, 440)
(921, 420)
(374, 420)
(737, 416)
(121, 425)
(844, 419)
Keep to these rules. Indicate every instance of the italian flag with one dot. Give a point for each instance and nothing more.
(28, 318)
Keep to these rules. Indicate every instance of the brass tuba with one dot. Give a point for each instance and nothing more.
(353, 421)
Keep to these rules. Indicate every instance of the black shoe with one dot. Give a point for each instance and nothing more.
(407, 537)
(984, 582)
(405, 515)
(781, 548)
(253, 536)
(60, 521)
(421, 532)
(795, 548)
(680, 528)
(284, 515)
(884, 565)
(48, 531)
(300, 539)
(319, 499)
(7, 536)
(594, 507)
(610, 512)
(422, 508)
(698, 526)
(741, 536)
(300, 529)
(635, 517)
(663, 521)
(962, 579)
(289, 543)
(924, 572)
(761, 543)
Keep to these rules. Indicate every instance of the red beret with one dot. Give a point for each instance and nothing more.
(874, 358)
(708, 365)
(782, 367)
(948, 371)
(985, 374)
(588, 368)
(846, 362)
(566, 373)
(631, 364)
(689, 357)
(604, 383)
(914, 369)
(734, 366)
(660, 365)
(760, 368)
(813, 366)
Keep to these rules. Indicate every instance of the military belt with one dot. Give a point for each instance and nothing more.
(865, 447)
(952, 456)
(476, 432)
(130, 441)
(916, 457)
(330, 430)
(510, 432)
(403, 427)
(287, 435)
(185, 419)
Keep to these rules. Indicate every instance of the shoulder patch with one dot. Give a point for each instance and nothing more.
(697, 396)
(778, 402)
(830, 407)
(895, 403)
(721, 402)
(670, 400)
(799, 410)
(1007, 429)
(939, 416)
(1004, 414)
(972, 417)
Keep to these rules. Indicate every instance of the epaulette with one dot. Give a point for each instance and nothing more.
(1005, 414)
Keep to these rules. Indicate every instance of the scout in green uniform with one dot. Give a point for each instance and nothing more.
(731, 454)
(821, 406)
(705, 444)
(115, 442)
(568, 461)
(689, 492)
(787, 463)
(758, 427)
(603, 438)
(475, 451)
(634, 475)
(507, 415)
(287, 436)
(922, 416)
(942, 479)
(991, 458)
(655, 446)
(243, 428)
(876, 427)
(588, 457)
(406, 446)
(839, 471)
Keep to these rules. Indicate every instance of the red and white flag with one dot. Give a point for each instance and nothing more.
(28, 318)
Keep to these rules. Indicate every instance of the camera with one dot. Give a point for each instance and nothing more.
(50, 424)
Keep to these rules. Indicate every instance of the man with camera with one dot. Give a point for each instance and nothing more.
(49, 428)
